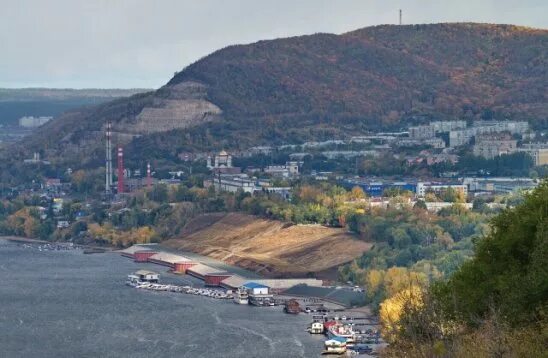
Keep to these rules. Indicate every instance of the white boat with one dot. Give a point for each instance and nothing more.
(316, 328)
(241, 296)
(335, 345)
(338, 330)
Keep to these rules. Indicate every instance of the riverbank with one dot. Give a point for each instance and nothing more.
(23, 239)
(91, 248)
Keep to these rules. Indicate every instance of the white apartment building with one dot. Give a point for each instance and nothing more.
(424, 187)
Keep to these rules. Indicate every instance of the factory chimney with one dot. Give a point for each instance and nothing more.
(120, 170)
(108, 159)
(149, 178)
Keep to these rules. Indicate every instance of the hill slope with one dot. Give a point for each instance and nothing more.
(269, 247)
(319, 86)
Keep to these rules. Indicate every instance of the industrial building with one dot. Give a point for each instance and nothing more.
(182, 267)
(261, 287)
(499, 184)
(201, 271)
(167, 259)
(130, 251)
(215, 278)
(143, 255)
(375, 188)
(232, 183)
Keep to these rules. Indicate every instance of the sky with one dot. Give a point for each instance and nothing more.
(141, 43)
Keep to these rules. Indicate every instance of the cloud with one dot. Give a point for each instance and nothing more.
(140, 43)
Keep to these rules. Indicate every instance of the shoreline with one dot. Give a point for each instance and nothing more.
(27, 240)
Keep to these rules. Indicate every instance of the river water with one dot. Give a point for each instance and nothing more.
(67, 304)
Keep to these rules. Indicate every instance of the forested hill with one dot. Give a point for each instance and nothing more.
(387, 72)
(319, 86)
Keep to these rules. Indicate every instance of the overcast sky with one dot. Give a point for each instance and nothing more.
(140, 43)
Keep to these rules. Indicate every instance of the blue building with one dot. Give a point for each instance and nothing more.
(376, 189)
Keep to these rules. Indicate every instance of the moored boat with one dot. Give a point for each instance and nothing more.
(339, 330)
(241, 296)
(335, 345)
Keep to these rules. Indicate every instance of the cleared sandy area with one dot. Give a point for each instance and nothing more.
(269, 247)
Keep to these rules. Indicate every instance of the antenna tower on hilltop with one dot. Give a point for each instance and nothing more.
(400, 16)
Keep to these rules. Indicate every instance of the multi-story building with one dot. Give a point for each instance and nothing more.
(463, 136)
(491, 146)
(33, 122)
(447, 126)
(287, 170)
(538, 151)
(422, 132)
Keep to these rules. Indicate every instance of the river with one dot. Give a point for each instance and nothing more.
(67, 304)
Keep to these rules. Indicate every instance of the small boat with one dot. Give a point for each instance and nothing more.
(335, 345)
(316, 328)
(241, 296)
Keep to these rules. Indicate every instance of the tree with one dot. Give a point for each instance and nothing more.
(159, 193)
(509, 271)
(420, 204)
(357, 193)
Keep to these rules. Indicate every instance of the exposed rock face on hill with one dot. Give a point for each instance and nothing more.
(269, 247)
(321, 86)
(185, 106)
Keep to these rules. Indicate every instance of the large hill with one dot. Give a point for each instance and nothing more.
(318, 86)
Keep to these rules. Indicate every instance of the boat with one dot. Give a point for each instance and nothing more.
(241, 296)
(335, 345)
(292, 307)
(338, 330)
(316, 328)
(133, 280)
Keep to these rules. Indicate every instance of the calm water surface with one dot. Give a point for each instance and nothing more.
(67, 304)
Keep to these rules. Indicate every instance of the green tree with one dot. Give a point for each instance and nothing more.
(508, 272)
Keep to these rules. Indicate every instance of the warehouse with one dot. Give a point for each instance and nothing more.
(234, 282)
(200, 271)
(182, 267)
(275, 285)
(143, 255)
(167, 259)
(130, 251)
(215, 278)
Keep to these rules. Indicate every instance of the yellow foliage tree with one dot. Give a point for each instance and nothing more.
(398, 279)
(23, 223)
(374, 281)
(357, 193)
(392, 308)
